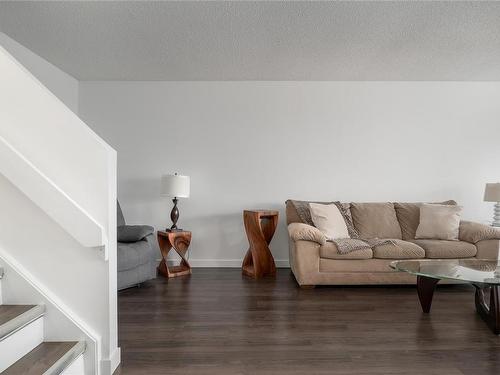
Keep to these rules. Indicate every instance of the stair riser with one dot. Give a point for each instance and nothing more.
(20, 343)
(76, 368)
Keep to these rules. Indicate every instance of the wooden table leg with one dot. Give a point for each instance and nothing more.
(258, 260)
(490, 314)
(425, 289)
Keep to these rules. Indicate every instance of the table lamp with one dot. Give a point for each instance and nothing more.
(176, 186)
(492, 194)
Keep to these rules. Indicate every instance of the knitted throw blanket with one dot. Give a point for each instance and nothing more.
(344, 245)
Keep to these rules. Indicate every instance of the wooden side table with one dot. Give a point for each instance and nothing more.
(178, 241)
(260, 226)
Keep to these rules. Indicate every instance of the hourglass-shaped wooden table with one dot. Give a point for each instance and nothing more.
(177, 240)
(260, 226)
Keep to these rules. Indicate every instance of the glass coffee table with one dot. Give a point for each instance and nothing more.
(482, 274)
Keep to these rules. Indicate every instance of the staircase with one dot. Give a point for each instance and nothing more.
(58, 226)
(24, 350)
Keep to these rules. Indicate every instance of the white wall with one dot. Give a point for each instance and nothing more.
(62, 85)
(255, 144)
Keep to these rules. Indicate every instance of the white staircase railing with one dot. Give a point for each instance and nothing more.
(49, 197)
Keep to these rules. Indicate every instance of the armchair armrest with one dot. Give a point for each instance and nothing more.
(133, 233)
(475, 232)
(300, 231)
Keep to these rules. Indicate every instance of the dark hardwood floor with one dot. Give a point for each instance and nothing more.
(218, 322)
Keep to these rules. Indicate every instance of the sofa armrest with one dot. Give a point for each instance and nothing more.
(474, 232)
(133, 233)
(488, 249)
(304, 232)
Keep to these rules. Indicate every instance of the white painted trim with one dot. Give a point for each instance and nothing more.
(1, 276)
(15, 346)
(108, 366)
(114, 350)
(49, 197)
(227, 263)
(56, 302)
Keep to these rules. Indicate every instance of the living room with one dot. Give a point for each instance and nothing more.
(258, 118)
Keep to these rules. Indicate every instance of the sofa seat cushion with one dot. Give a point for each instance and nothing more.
(131, 255)
(329, 251)
(447, 249)
(375, 220)
(399, 250)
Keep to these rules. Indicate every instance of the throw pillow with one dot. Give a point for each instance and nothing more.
(329, 220)
(440, 222)
(409, 216)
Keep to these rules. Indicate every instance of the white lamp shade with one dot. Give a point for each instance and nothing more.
(174, 185)
(492, 192)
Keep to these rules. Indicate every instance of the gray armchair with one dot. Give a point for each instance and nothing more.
(136, 252)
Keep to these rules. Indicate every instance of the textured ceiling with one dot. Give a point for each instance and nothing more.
(261, 40)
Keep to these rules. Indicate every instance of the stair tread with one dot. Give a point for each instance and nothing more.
(43, 357)
(14, 317)
(9, 312)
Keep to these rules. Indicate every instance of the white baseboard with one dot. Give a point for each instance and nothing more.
(108, 366)
(228, 263)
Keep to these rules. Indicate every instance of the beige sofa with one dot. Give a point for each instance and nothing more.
(314, 261)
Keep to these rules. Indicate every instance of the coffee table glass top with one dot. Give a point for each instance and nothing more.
(468, 270)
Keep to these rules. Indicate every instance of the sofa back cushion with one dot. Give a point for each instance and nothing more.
(409, 217)
(376, 220)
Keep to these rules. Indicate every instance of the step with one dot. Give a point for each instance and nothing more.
(21, 330)
(48, 358)
(15, 317)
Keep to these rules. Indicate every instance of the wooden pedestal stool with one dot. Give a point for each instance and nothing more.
(259, 226)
